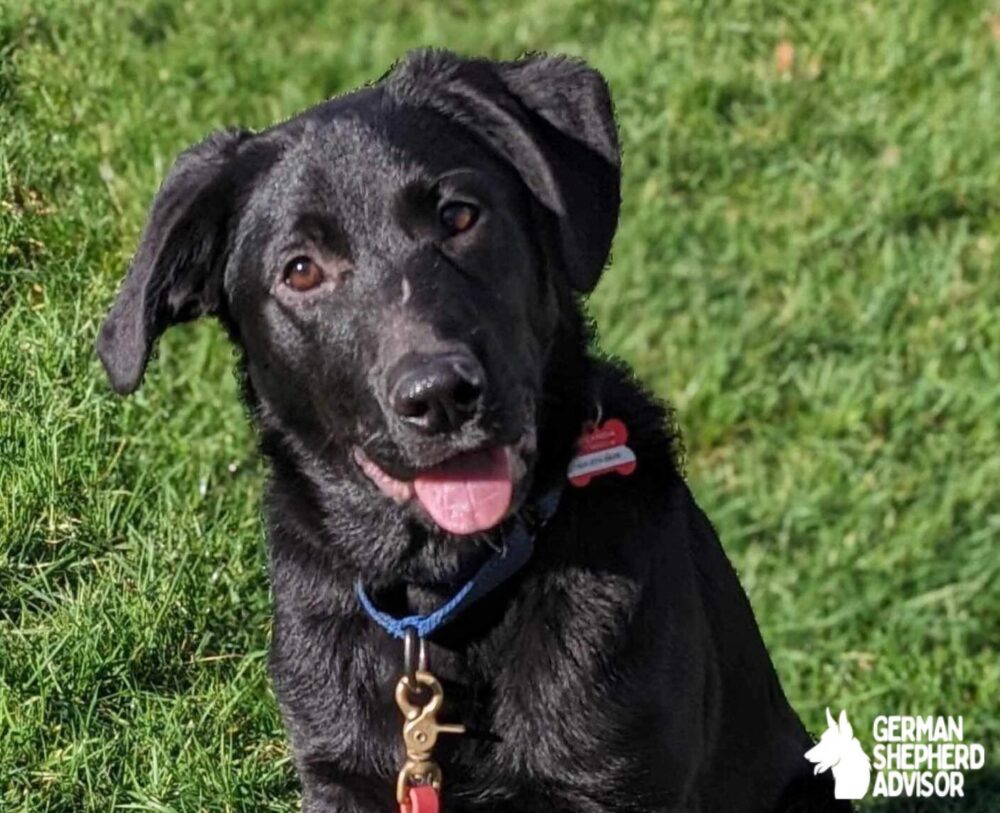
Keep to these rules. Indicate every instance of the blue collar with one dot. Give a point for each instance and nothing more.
(518, 546)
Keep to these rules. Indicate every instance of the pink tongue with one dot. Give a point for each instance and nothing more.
(468, 493)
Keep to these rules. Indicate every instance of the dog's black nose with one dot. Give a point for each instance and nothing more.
(436, 394)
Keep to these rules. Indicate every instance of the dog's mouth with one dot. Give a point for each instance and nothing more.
(464, 494)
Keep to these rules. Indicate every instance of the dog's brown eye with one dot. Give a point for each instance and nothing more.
(302, 274)
(458, 217)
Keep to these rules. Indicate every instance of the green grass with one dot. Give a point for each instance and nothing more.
(807, 268)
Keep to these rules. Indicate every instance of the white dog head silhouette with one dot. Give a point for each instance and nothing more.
(839, 749)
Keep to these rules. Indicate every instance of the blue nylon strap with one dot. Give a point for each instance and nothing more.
(519, 544)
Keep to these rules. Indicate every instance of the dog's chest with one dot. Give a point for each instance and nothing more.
(539, 699)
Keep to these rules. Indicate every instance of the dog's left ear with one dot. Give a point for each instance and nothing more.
(176, 272)
(551, 119)
(570, 109)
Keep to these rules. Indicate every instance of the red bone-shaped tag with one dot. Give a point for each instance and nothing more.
(601, 450)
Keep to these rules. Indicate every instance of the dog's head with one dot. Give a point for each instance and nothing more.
(395, 265)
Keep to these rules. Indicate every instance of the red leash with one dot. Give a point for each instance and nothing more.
(423, 799)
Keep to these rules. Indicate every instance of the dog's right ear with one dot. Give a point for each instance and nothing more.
(176, 274)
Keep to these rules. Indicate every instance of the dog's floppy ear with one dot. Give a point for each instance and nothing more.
(579, 143)
(551, 119)
(176, 274)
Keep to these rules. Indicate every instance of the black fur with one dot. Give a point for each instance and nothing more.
(622, 670)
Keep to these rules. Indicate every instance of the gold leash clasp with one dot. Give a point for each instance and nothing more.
(420, 731)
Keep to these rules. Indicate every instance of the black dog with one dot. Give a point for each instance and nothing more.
(401, 268)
